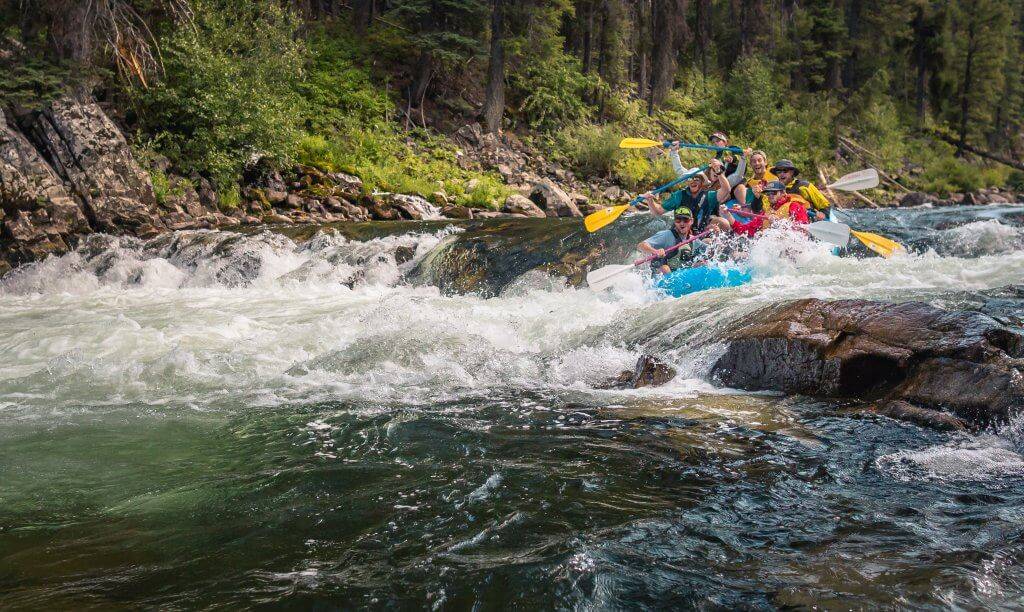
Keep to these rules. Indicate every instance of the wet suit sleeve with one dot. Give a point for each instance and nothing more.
(735, 171)
(677, 166)
(815, 197)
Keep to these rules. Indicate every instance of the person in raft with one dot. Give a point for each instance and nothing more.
(756, 200)
(787, 171)
(685, 256)
(780, 204)
(735, 166)
(700, 198)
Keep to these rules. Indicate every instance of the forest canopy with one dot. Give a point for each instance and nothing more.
(372, 86)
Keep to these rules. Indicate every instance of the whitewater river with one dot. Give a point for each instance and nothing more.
(215, 420)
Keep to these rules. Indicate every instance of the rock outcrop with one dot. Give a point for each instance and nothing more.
(964, 363)
(66, 170)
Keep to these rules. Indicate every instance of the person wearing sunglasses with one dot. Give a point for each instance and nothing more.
(781, 205)
(787, 172)
(659, 244)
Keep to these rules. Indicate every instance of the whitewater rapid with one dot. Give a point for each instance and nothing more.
(206, 319)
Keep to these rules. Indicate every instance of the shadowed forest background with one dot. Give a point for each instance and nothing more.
(931, 92)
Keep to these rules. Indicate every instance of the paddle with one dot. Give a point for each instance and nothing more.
(879, 244)
(867, 179)
(598, 279)
(644, 143)
(608, 214)
(855, 181)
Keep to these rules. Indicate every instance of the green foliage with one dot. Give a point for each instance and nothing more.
(30, 80)
(752, 98)
(488, 192)
(551, 92)
(230, 90)
(591, 150)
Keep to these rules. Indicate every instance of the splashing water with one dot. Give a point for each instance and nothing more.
(217, 419)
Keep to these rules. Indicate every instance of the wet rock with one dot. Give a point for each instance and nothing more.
(966, 363)
(615, 194)
(412, 207)
(276, 218)
(350, 185)
(276, 197)
(915, 198)
(439, 198)
(404, 254)
(292, 201)
(553, 200)
(518, 204)
(380, 210)
(923, 417)
(648, 372)
(457, 212)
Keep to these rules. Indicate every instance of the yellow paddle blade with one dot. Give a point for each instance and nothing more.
(595, 221)
(879, 244)
(638, 143)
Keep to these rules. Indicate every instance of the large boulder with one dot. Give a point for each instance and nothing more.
(966, 363)
(553, 200)
(519, 204)
(915, 198)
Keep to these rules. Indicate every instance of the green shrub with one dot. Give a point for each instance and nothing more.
(489, 192)
(230, 88)
(591, 150)
(551, 92)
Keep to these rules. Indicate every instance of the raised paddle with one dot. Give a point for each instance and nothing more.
(645, 143)
(599, 279)
(608, 214)
(855, 181)
(867, 179)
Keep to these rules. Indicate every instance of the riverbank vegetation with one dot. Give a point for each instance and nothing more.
(931, 92)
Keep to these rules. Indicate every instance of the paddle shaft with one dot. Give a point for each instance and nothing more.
(693, 145)
(669, 185)
(641, 262)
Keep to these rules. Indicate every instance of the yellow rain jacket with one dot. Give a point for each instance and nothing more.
(809, 193)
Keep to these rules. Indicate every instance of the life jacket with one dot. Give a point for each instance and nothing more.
(782, 207)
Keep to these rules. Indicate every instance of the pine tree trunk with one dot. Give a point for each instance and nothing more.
(920, 59)
(588, 37)
(664, 60)
(494, 104)
(703, 33)
(965, 105)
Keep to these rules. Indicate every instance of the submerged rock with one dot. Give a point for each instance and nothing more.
(925, 417)
(966, 363)
(649, 372)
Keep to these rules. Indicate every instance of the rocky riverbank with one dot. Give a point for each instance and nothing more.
(67, 171)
